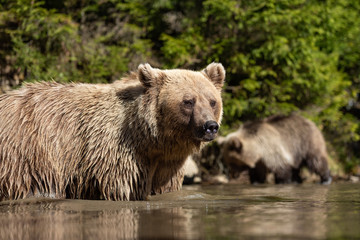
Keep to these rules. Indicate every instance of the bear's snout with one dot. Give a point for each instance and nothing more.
(210, 130)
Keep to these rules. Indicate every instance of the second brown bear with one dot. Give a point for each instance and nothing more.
(281, 144)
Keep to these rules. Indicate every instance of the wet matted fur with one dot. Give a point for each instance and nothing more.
(120, 141)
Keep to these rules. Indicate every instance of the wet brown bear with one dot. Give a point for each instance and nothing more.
(120, 141)
(281, 144)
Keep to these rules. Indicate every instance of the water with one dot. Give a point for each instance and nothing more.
(307, 211)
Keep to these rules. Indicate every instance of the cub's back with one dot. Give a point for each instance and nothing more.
(298, 133)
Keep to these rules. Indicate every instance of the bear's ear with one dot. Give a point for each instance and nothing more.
(149, 76)
(216, 73)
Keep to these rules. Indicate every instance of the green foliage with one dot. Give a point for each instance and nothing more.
(51, 45)
(41, 38)
(280, 55)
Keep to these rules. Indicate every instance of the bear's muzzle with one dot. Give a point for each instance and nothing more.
(210, 130)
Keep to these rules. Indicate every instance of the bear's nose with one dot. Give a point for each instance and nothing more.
(211, 127)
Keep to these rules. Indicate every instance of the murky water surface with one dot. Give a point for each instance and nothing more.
(307, 211)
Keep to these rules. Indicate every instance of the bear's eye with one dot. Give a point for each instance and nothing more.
(212, 103)
(188, 103)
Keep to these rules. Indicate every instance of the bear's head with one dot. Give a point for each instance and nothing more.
(240, 152)
(188, 103)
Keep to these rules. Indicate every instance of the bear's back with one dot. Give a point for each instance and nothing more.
(292, 126)
(299, 135)
(54, 127)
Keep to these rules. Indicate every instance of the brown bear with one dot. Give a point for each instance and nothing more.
(281, 144)
(119, 141)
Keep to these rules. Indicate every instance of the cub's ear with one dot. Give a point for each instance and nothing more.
(216, 73)
(149, 76)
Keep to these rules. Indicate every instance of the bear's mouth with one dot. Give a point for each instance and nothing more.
(205, 138)
(209, 137)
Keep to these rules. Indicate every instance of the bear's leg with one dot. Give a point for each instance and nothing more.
(296, 175)
(171, 185)
(258, 173)
(319, 165)
(283, 175)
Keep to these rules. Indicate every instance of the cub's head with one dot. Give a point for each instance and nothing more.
(239, 151)
(188, 103)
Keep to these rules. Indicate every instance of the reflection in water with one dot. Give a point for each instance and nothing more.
(170, 223)
(77, 219)
(240, 211)
(67, 220)
(279, 212)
